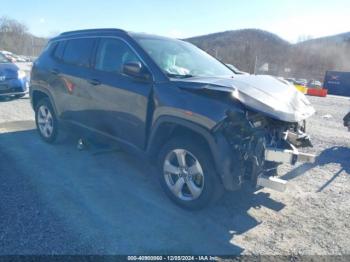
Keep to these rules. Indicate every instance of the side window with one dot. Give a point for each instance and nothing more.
(112, 54)
(59, 49)
(78, 51)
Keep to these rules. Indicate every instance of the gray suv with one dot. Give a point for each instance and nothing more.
(207, 128)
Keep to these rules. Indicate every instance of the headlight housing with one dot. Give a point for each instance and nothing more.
(21, 74)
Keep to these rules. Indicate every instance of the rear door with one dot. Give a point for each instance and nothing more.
(120, 101)
(72, 68)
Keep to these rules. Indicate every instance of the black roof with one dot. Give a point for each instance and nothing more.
(105, 31)
(88, 32)
(91, 31)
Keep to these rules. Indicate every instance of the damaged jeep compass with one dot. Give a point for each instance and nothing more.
(207, 128)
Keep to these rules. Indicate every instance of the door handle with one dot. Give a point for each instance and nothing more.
(94, 82)
(54, 71)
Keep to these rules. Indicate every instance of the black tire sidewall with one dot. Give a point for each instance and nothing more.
(203, 155)
(47, 103)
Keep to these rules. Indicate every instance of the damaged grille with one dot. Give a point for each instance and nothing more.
(250, 134)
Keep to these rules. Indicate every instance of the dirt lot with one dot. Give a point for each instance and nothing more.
(58, 200)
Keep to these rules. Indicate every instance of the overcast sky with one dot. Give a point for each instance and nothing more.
(184, 18)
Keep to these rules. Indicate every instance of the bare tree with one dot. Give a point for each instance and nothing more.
(14, 37)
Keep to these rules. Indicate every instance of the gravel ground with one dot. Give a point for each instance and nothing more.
(57, 200)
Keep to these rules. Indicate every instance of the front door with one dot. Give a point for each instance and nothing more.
(120, 101)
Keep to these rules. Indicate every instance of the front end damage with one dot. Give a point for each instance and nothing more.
(258, 144)
(265, 130)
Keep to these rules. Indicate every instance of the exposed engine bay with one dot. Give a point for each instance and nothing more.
(260, 143)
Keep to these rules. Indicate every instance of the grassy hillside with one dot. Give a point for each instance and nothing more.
(250, 49)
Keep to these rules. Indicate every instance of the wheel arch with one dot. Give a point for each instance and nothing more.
(37, 94)
(168, 126)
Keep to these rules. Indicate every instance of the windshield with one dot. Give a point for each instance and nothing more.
(3, 59)
(181, 59)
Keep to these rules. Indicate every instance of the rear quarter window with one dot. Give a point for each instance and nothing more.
(59, 50)
(78, 51)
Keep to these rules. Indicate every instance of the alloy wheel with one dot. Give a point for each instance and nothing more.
(183, 174)
(45, 121)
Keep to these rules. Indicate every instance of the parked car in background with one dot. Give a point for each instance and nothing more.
(236, 70)
(21, 59)
(314, 84)
(10, 56)
(301, 82)
(28, 59)
(291, 80)
(31, 58)
(13, 81)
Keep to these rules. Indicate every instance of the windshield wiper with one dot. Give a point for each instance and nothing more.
(179, 76)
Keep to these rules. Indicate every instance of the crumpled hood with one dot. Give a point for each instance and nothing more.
(263, 93)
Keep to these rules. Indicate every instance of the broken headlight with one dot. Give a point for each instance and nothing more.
(256, 120)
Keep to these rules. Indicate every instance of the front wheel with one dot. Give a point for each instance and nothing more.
(19, 96)
(187, 174)
(46, 121)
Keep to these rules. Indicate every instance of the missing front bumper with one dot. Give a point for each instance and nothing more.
(272, 182)
(288, 156)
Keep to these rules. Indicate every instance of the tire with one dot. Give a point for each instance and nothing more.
(44, 110)
(205, 183)
(19, 96)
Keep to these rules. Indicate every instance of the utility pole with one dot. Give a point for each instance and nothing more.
(32, 46)
(255, 64)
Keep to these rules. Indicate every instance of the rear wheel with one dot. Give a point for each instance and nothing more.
(187, 174)
(46, 121)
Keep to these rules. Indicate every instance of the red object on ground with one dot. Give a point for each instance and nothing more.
(317, 92)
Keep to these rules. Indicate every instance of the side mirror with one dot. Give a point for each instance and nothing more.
(135, 69)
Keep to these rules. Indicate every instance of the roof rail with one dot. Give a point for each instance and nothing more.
(97, 30)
